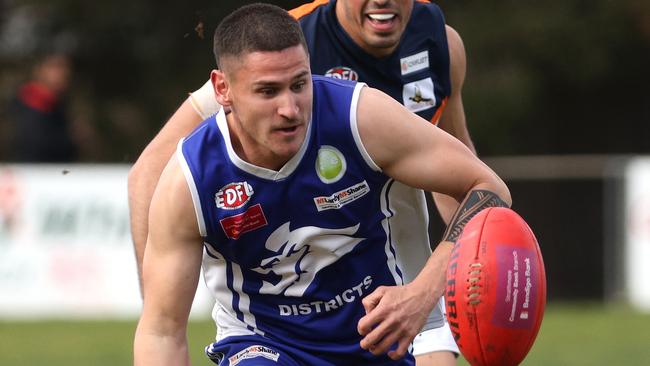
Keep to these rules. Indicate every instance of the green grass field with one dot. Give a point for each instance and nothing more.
(572, 335)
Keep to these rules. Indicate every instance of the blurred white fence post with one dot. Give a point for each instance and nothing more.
(637, 232)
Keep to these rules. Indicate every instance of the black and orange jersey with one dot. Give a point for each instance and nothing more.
(416, 74)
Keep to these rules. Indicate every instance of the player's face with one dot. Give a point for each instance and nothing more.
(270, 96)
(375, 25)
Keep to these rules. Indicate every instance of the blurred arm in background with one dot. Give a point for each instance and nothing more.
(146, 171)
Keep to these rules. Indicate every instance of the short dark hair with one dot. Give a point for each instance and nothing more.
(256, 27)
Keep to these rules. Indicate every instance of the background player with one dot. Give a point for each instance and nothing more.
(401, 47)
(268, 133)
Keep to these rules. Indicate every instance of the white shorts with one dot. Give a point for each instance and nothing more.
(435, 340)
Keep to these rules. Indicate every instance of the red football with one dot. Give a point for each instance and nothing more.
(496, 289)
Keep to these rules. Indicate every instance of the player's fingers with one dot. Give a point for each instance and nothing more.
(373, 317)
(370, 302)
(383, 344)
(367, 323)
(373, 340)
(402, 347)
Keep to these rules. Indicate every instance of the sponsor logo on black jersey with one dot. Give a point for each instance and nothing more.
(419, 95)
(343, 73)
(413, 63)
(418, 98)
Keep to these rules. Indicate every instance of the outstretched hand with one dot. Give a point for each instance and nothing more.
(394, 315)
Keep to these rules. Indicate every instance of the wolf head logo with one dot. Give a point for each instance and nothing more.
(302, 253)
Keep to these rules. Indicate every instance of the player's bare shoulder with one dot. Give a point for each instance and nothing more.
(172, 201)
(454, 40)
(383, 125)
(457, 55)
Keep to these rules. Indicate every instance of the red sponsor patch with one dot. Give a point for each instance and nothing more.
(235, 226)
(233, 195)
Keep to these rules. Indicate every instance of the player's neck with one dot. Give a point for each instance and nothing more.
(248, 150)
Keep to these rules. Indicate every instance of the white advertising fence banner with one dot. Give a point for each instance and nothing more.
(65, 244)
(637, 233)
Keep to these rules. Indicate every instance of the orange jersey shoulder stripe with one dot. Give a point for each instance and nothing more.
(436, 117)
(305, 9)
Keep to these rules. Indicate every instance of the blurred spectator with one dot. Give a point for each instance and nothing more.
(39, 126)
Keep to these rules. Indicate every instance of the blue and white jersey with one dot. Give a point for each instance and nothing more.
(416, 74)
(289, 254)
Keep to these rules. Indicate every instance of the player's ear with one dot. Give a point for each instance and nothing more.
(221, 87)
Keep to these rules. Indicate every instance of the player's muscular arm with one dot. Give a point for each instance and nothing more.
(411, 150)
(453, 118)
(171, 269)
(145, 172)
(432, 275)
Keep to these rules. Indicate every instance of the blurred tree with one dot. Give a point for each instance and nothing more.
(543, 77)
(558, 77)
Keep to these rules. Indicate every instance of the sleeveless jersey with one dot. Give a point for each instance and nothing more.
(414, 81)
(289, 254)
(416, 74)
